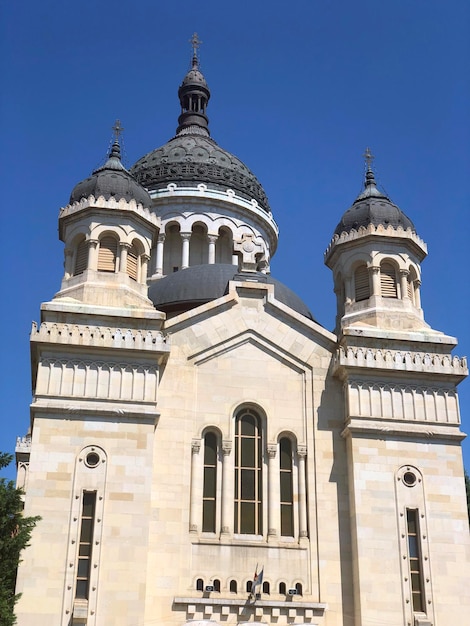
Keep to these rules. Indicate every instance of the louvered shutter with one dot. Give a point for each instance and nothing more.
(361, 283)
(410, 290)
(107, 254)
(388, 281)
(81, 257)
(132, 263)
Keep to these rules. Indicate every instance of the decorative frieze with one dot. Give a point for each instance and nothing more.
(96, 380)
(402, 402)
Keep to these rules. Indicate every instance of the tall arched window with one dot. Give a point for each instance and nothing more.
(248, 474)
(361, 283)
(388, 280)
(287, 495)
(107, 254)
(209, 483)
(81, 257)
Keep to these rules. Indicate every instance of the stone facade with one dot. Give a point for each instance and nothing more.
(174, 453)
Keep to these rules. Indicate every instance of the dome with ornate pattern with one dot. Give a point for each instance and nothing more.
(192, 157)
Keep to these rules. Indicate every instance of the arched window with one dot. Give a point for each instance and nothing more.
(298, 588)
(233, 586)
(388, 280)
(107, 254)
(224, 246)
(172, 251)
(216, 584)
(198, 249)
(248, 586)
(81, 257)
(287, 495)
(361, 283)
(248, 474)
(266, 588)
(209, 483)
(199, 584)
(282, 588)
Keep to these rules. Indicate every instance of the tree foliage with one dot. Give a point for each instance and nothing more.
(15, 533)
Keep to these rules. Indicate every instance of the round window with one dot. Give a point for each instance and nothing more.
(92, 459)
(409, 479)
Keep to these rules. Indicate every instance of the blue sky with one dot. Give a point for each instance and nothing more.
(299, 90)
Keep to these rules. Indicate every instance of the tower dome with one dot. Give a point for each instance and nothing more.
(111, 180)
(192, 157)
(372, 207)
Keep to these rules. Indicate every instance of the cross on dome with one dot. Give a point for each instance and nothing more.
(195, 42)
(117, 129)
(369, 157)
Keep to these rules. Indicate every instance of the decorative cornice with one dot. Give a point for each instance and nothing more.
(379, 230)
(101, 203)
(99, 336)
(380, 359)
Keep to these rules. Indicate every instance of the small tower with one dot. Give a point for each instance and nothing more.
(375, 255)
(108, 231)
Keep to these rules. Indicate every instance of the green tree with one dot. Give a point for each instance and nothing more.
(15, 533)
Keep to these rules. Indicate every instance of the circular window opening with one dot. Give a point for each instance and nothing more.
(92, 459)
(409, 479)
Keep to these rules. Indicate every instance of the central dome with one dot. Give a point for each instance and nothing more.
(192, 157)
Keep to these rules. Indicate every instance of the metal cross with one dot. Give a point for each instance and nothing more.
(195, 42)
(369, 157)
(117, 128)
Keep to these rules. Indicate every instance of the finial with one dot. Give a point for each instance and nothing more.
(369, 157)
(116, 147)
(370, 179)
(195, 42)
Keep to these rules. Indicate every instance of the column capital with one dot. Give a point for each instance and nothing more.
(374, 269)
(212, 238)
(195, 446)
(145, 257)
(302, 451)
(161, 237)
(92, 242)
(185, 236)
(271, 450)
(404, 272)
(226, 447)
(125, 245)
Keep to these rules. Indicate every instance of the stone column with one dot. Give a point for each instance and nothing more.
(211, 255)
(417, 285)
(374, 273)
(195, 505)
(273, 492)
(68, 263)
(302, 454)
(93, 254)
(123, 249)
(227, 489)
(404, 284)
(144, 262)
(348, 290)
(185, 237)
(159, 255)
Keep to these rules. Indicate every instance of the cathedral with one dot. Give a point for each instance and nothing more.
(202, 451)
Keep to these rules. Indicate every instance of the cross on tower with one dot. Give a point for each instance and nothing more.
(369, 157)
(117, 129)
(249, 251)
(195, 42)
